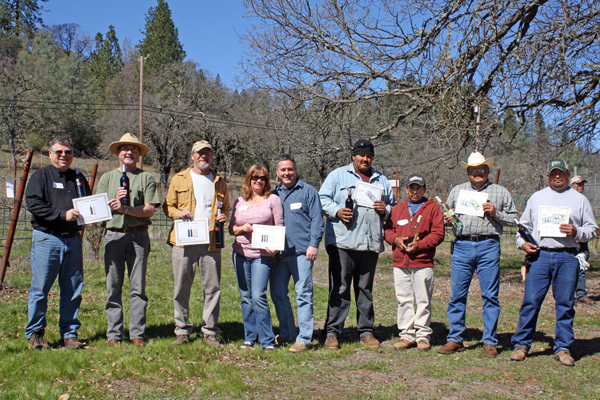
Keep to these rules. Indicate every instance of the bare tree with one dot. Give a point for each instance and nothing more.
(443, 58)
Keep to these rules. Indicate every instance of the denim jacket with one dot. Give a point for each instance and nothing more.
(366, 230)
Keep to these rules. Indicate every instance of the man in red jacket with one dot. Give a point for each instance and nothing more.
(413, 261)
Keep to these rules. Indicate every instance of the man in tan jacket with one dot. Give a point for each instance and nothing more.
(194, 194)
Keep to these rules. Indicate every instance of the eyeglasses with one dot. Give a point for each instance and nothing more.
(479, 170)
(61, 152)
(259, 178)
(133, 149)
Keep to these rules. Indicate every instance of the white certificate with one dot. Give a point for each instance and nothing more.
(92, 209)
(270, 236)
(470, 203)
(189, 232)
(550, 218)
(365, 194)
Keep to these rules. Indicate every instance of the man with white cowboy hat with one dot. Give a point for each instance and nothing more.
(126, 239)
(477, 249)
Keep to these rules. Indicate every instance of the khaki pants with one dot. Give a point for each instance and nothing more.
(414, 285)
(185, 260)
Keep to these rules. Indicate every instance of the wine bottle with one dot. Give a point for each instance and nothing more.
(449, 212)
(525, 233)
(79, 183)
(220, 232)
(350, 205)
(413, 234)
(125, 184)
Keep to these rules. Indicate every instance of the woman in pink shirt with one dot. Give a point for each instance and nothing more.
(252, 266)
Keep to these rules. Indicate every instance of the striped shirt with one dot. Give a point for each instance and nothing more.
(506, 212)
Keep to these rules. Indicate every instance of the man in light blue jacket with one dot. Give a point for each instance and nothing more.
(354, 239)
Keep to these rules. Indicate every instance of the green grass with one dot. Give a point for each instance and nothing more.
(161, 370)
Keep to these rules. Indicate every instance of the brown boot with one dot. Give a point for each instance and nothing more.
(404, 344)
(490, 350)
(450, 348)
(332, 342)
(564, 357)
(370, 341)
(37, 341)
(519, 354)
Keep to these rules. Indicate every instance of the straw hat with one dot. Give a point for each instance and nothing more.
(128, 138)
(476, 159)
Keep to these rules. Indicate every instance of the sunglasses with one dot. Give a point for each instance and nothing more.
(259, 178)
(479, 170)
(60, 152)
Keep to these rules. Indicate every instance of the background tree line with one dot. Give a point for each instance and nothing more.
(407, 74)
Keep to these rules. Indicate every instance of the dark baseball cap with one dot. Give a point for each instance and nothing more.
(363, 146)
(415, 178)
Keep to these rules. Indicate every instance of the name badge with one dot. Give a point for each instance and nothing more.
(244, 208)
(402, 222)
(295, 206)
(58, 185)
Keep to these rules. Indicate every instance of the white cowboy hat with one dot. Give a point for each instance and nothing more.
(476, 159)
(128, 138)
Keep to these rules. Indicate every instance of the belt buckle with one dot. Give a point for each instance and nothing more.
(474, 238)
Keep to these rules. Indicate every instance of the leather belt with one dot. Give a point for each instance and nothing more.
(476, 238)
(559, 249)
(129, 230)
(64, 234)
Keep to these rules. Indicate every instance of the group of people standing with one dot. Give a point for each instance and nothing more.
(354, 238)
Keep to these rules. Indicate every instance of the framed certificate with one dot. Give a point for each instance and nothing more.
(270, 236)
(188, 232)
(92, 209)
(470, 203)
(365, 194)
(549, 220)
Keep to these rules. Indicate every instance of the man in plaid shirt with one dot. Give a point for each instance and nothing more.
(477, 249)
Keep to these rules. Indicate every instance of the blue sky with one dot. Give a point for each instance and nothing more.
(208, 29)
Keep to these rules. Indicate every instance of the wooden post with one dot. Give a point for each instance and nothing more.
(498, 176)
(15, 217)
(93, 177)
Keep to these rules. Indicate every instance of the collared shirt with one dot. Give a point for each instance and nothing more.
(581, 216)
(143, 191)
(366, 230)
(49, 195)
(302, 217)
(506, 212)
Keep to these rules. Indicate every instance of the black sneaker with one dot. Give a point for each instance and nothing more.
(37, 342)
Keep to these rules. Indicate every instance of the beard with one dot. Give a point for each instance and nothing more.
(203, 166)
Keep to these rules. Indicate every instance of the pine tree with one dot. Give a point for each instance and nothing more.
(19, 17)
(107, 59)
(161, 39)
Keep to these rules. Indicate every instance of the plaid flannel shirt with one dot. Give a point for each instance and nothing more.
(506, 212)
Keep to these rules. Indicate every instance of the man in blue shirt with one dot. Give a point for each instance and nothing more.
(354, 239)
(303, 220)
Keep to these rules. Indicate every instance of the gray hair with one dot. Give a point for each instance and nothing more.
(286, 157)
(65, 141)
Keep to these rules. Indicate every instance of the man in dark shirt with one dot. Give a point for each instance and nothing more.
(55, 245)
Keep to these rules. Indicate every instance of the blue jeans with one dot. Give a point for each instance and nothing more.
(581, 292)
(467, 258)
(253, 277)
(298, 267)
(51, 257)
(560, 270)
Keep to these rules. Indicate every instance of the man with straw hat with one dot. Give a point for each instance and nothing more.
(484, 208)
(126, 239)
